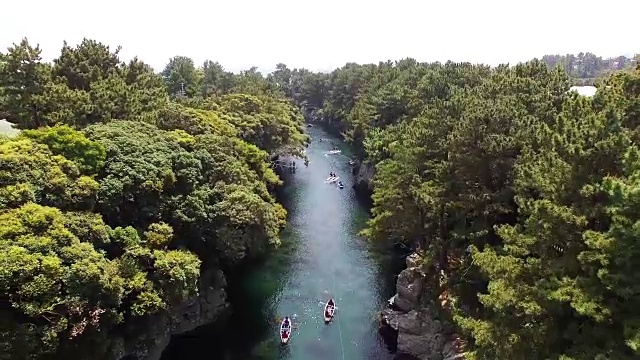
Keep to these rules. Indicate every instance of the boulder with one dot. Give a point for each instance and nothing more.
(409, 286)
(415, 333)
(450, 351)
(420, 335)
(409, 329)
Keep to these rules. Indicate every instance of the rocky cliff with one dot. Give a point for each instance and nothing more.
(363, 184)
(410, 326)
(148, 340)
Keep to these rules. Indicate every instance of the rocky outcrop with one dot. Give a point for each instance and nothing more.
(411, 328)
(364, 179)
(150, 339)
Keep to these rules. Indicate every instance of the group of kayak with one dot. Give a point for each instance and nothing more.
(333, 177)
(286, 326)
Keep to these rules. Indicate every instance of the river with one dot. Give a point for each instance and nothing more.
(321, 256)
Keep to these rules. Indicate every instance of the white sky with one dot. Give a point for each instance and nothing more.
(324, 34)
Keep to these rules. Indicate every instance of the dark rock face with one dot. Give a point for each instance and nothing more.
(411, 329)
(209, 306)
(364, 179)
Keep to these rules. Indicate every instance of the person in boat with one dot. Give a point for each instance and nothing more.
(287, 324)
(330, 310)
(340, 183)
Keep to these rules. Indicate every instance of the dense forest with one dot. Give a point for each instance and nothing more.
(585, 68)
(519, 195)
(115, 198)
(126, 185)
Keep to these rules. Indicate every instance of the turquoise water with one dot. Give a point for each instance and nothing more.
(321, 257)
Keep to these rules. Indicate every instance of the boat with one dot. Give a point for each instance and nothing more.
(334, 152)
(285, 330)
(329, 311)
(341, 185)
(332, 179)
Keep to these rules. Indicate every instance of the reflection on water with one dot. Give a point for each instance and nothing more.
(321, 257)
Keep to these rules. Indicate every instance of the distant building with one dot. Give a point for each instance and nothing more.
(584, 90)
(6, 128)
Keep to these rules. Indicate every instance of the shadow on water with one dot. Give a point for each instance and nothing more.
(321, 256)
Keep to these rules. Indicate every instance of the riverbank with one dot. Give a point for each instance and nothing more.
(410, 323)
(320, 256)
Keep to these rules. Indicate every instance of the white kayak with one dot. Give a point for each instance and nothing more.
(285, 330)
(332, 179)
(334, 152)
(329, 311)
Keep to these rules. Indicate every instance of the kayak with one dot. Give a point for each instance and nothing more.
(332, 179)
(329, 311)
(341, 186)
(285, 330)
(334, 152)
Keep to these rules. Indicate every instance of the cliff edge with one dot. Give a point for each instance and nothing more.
(413, 328)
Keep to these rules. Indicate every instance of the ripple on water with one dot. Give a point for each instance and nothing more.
(321, 256)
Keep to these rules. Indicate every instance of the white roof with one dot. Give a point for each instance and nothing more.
(6, 128)
(584, 90)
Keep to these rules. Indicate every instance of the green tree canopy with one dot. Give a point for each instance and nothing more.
(518, 196)
(116, 198)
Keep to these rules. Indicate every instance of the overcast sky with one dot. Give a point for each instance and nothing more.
(324, 34)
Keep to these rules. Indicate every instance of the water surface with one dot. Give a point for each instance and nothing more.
(321, 257)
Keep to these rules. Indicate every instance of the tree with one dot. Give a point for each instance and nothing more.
(115, 199)
(517, 196)
(281, 76)
(24, 80)
(215, 81)
(180, 74)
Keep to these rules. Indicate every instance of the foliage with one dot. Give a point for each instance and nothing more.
(63, 140)
(519, 196)
(30, 171)
(64, 285)
(85, 85)
(116, 197)
(584, 68)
